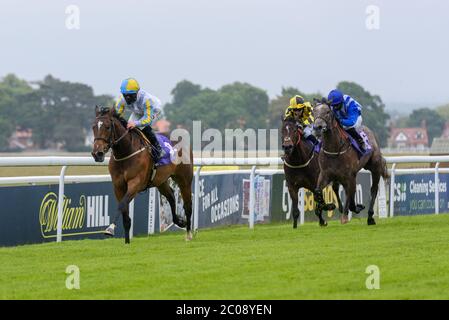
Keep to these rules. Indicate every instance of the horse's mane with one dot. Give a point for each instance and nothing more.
(105, 110)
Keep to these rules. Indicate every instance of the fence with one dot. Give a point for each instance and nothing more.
(199, 163)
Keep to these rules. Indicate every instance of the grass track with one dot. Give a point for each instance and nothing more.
(271, 262)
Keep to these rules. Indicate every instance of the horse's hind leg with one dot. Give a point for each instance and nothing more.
(293, 191)
(167, 192)
(374, 188)
(186, 192)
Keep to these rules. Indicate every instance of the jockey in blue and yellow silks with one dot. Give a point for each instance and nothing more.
(301, 111)
(145, 110)
(348, 113)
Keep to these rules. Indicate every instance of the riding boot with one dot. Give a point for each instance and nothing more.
(313, 139)
(354, 133)
(157, 151)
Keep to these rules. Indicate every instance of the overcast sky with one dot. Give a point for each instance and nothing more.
(311, 45)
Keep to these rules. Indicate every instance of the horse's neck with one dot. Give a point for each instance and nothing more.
(301, 153)
(125, 146)
(333, 140)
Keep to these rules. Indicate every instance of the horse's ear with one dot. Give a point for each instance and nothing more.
(97, 110)
(112, 111)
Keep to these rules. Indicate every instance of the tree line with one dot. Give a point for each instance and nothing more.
(61, 112)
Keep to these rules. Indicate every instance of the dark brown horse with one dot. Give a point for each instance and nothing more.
(339, 162)
(301, 168)
(131, 168)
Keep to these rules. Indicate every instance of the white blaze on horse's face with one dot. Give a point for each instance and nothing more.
(99, 124)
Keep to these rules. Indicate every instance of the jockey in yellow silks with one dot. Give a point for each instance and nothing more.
(301, 111)
(145, 109)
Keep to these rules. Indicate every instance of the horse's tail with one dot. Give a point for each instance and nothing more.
(384, 172)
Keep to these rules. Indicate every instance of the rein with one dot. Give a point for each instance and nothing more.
(301, 165)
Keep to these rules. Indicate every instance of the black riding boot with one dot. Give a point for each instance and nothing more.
(313, 139)
(353, 132)
(156, 147)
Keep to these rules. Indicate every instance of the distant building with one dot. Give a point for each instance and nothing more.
(440, 146)
(21, 139)
(409, 138)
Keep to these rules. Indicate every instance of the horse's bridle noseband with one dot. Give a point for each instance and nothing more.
(111, 143)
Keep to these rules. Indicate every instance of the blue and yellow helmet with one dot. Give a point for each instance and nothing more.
(129, 86)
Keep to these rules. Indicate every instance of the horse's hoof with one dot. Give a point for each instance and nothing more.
(359, 208)
(371, 222)
(329, 207)
(180, 223)
(323, 224)
(189, 236)
(344, 219)
(109, 232)
(295, 225)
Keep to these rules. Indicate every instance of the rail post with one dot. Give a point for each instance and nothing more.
(437, 189)
(393, 168)
(302, 210)
(196, 204)
(60, 204)
(252, 196)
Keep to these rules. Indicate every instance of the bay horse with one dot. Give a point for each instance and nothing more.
(339, 161)
(301, 168)
(132, 169)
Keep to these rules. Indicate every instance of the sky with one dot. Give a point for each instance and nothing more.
(399, 51)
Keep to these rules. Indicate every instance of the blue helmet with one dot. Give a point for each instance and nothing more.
(335, 97)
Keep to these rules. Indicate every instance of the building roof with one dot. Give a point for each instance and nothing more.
(411, 136)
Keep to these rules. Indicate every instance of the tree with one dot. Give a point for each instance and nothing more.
(229, 107)
(280, 103)
(11, 89)
(433, 121)
(443, 111)
(59, 111)
(373, 109)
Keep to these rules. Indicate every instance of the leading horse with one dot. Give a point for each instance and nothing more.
(132, 169)
(340, 162)
(301, 168)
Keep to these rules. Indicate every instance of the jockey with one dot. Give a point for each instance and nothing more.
(145, 110)
(348, 113)
(301, 111)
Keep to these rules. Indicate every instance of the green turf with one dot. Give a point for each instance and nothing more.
(270, 262)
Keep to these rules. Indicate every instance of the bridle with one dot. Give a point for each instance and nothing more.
(110, 142)
(299, 131)
(342, 134)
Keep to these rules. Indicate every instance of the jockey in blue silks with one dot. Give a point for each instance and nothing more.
(348, 113)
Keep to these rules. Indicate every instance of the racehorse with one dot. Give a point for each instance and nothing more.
(339, 161)
(132, 169)
(301, 168)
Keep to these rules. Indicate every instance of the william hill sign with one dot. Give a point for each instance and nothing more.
(80, 216)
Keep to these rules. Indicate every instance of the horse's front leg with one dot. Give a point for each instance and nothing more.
(293, 191)
(320, 204)
(120, 189)
(123, 208)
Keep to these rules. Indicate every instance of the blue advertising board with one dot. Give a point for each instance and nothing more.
(415, 194)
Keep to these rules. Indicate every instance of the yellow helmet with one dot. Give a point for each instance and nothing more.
(297, 102)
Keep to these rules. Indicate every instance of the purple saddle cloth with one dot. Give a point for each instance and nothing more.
(169, 152)
(354, 144)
